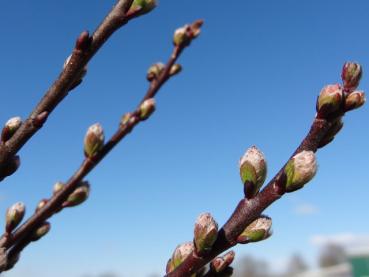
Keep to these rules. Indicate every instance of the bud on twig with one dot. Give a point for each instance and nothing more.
(253, 170)
(154, 71)
(147, 108)
(14, 216)
(10, 127)
(41, 231)
(78, 196)
(181, 253)
(41, 204)
(175, 69)
(351, 75)
(355, 100)
(258, 230)
(94, 140)
(57, 187)
(219, 264)
(330, 100)
(206, 233)
(184, 35)
(83, 42)
(300, 169)
(11, 166)
(332, 132)
(143, 6)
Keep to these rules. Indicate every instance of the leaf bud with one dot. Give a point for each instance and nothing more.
(355, 100)
(147, 108)
(155, 71)
(329, 100)
(78, 196)
(10, 127)
(41, 231)
(351, 75)
(253, 170)
(41, 204)
(14, 216)
(258, 230)
(57, 187)
(205, 233)
(219, 264)
(94, 140)
(143, 6)
(300, 169)
(175, 69)
(181, 253)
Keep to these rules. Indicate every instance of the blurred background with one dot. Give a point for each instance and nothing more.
(251, 78)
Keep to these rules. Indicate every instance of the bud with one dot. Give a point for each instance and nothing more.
(41, 231)
(175, 69)
(181, 253)
(57, 187)
(351, 75)
(147, 108)
(41, 204)
(11, 166)
(332, 132)
(94, 140)
(10, 127)
(300, 169)
(14, 216)
(355, 100)
(78, 196)
(181, 36)
(206, 233)
(219, 264)
(253, 170)
(329, 100)
(83, 42)
(258, 230)
(154, 71)
(143, 6)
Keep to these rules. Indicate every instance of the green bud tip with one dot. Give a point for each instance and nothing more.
(57, 187)
(79, 195)
(94, 140)
(300, 169)
(10, 127)
(41, 204)
(154, 71)
(183, 36)
(14, 216)
(41, 231)
(258, 230)
(143, 6)
(175, 69)
(355, 100)
(253, 170)
(329, 100)
(181, 253)
(219, 264)
(147, 108)
(205, 233)
(351, 75)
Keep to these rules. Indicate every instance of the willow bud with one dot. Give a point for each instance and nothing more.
(10, 127)
(175, 69)
(300, 169)
(330, 100)
(181, 253)
(143, 6)
(78, 196)
(41, 204)
(205, 233)
(41, 231)
(355, 100)
(154, 71)
(147, 108)
(14, 216)
(351, 75)
(253, 170)
(219, 264)
(258, 230)
(57, 187)
(181, 36)
(94, 140)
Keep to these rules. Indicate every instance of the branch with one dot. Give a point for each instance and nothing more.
(21, 237)
(85, 48)
(334, 101)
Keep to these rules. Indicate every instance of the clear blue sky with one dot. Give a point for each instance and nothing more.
(251, 78)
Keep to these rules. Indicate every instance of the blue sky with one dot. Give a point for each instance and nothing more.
(252, 78)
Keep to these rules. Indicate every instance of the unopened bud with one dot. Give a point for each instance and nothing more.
(10, 127)
(205, 233)
(83, 42)
(219, 264)
(155, 71)
(351, 75)
(300, 169)
(258, 230)
(147, 108)
(330, 100)
(143, 6)
(57, 187)
(332, 132)
(14, 216)
(181, 253)
(175, 69)
(94, 140)
(78, 196)
(41, 231)
(41, 204)
(355, 100)
(181, 36)
(253, 170)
